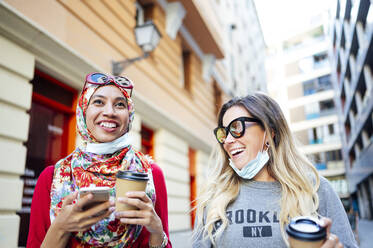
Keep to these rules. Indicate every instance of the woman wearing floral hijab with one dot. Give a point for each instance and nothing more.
(58, 218)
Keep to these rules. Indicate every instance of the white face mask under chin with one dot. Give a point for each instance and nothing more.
(109, 147)
(254, 166)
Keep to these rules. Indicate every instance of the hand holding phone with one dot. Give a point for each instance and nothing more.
(100, 195)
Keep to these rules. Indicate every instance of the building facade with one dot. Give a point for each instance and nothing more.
(300, 79)
(47, 47)
(352, 64)
(244, 46)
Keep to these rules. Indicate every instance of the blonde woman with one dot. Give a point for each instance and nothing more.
(259, 180)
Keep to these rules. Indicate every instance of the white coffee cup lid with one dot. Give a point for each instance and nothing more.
(306, 228)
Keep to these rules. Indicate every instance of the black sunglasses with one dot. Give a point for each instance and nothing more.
(236, 128)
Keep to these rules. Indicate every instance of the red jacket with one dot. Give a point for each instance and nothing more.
(40, 219)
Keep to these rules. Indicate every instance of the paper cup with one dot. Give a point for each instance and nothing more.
(129, 181)
(305, 232)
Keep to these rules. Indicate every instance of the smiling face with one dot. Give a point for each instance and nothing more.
(244, 149)
(107, 114)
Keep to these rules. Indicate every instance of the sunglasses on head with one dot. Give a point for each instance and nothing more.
(236, 128)
(98, 78)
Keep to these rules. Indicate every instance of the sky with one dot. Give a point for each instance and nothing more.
(280, 19)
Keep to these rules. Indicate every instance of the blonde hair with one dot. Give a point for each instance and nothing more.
(297, 176)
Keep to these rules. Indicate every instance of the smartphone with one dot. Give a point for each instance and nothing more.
(100, 195)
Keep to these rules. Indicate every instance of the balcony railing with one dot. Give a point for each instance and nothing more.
(320, 166)
(315, 141)
(335, 167)
(323, 113)
(307, 92)
(311, 116)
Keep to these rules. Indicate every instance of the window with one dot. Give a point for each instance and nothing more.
(320, 60)
(314, 132)
(314, 136)
(325, 82)
(309, 87)
(320, 57)
(317, 85)
(218, 98)
(335, 155)
(187, 64)
(331, 129)
(147, 140)
(326, 105)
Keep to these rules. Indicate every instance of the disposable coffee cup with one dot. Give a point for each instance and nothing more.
(305, 232)
(127, 181)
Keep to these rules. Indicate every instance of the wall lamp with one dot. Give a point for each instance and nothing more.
(147, 37)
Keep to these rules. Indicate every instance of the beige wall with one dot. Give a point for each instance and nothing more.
(295, 91)
(302, 137)
(106, 35)
(291, 69)
(171, 154)
(16, 70)
(297, 114)
(202, 166)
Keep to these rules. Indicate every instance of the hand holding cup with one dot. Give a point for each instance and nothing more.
(133, 206)
(128, 181)
(332, 240)
(310, 232)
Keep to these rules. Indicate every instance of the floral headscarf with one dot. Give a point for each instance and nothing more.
(83, 105)
(81, 168)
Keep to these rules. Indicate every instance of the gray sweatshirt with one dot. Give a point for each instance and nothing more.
(254, 217)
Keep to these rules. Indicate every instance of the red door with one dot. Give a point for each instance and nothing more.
(51, 135)
(193, 184)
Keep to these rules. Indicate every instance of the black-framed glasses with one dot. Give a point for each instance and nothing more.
(236, 128)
